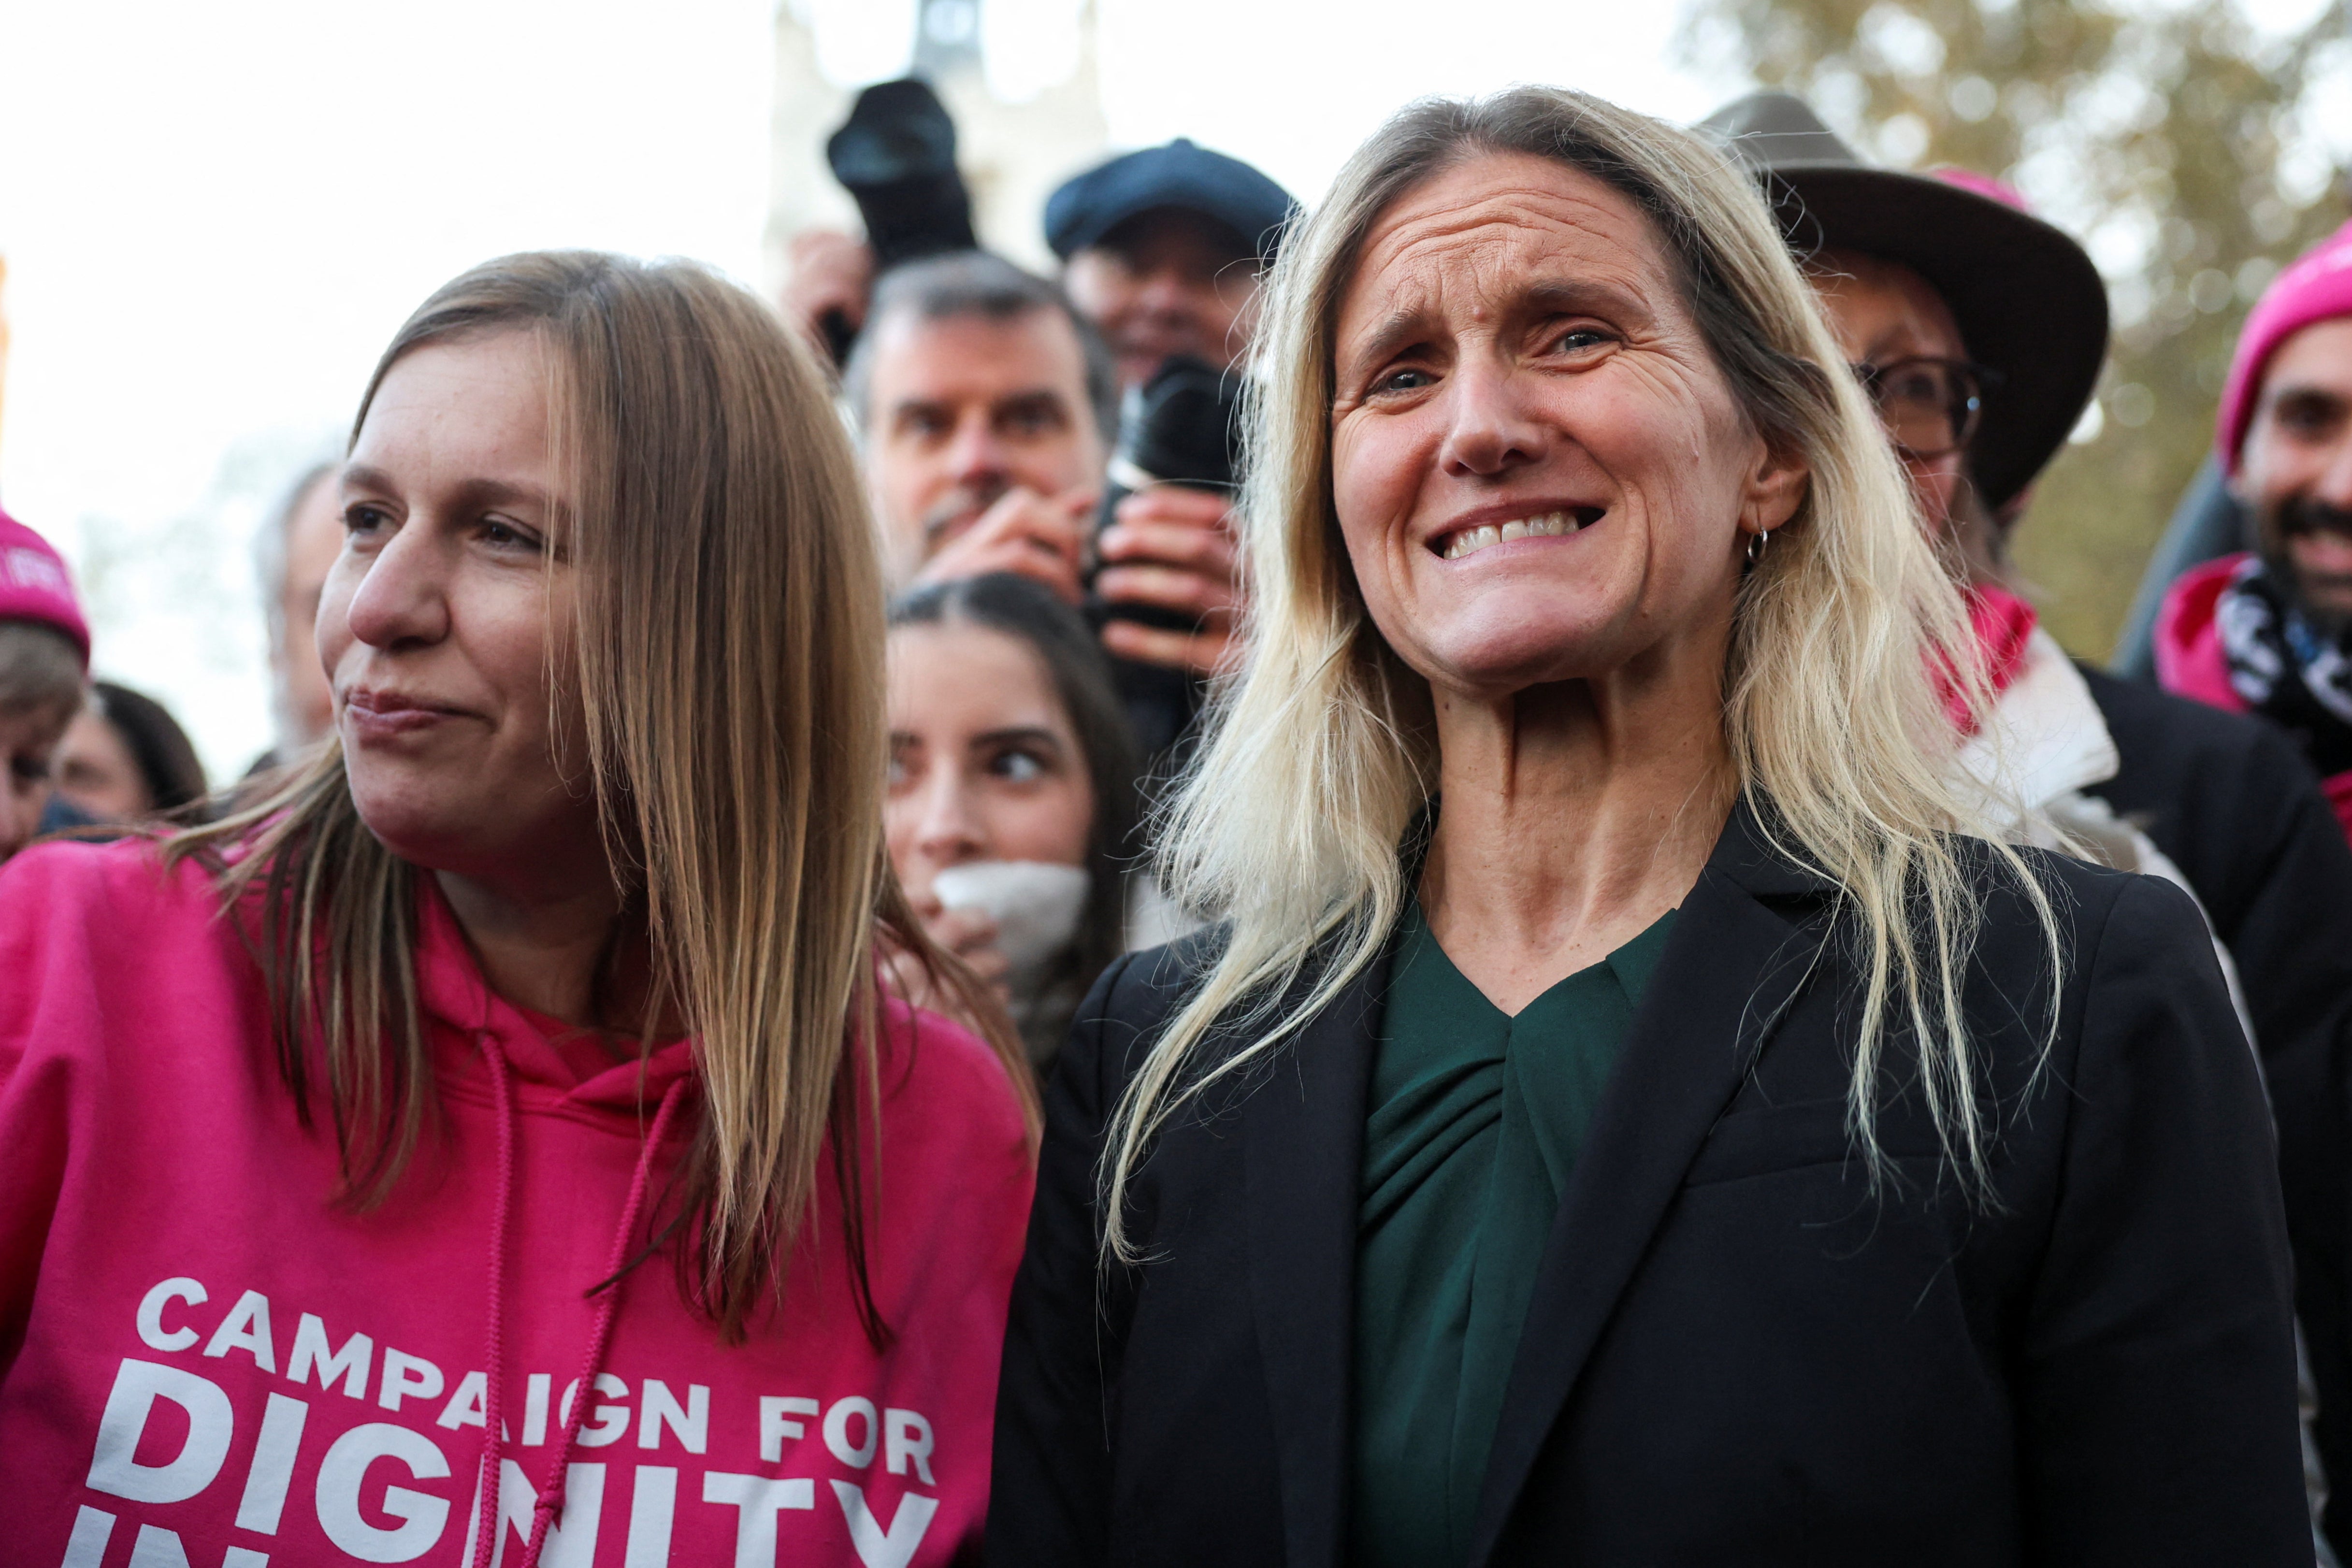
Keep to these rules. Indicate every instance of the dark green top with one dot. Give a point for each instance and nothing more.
(1475, 1121)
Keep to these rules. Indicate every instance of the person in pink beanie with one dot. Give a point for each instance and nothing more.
(2270, 631)
(44, 660)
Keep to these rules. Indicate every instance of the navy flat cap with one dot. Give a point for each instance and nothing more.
(1179, 174)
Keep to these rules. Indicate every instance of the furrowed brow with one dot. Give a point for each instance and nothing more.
(1540, 297)
(1395, 332)
(1580, 296)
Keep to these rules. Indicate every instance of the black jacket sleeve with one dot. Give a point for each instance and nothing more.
(1052, 1480)
(2290, 933)
(2232, 801)
(2155, 1390)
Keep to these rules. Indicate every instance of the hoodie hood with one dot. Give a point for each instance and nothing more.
(463, 1015)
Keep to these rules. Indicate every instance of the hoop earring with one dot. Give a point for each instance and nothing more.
(1757, 543)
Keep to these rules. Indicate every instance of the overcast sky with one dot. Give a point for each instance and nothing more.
(214, 215)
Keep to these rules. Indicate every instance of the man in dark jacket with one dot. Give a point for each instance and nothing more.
(1979, 330)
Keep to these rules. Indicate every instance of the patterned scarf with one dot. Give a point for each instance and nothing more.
(2285, 669)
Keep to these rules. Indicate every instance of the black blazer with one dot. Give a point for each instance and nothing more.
(1737, 1352)
(2235, 804)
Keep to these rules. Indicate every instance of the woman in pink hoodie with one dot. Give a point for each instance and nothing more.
(493, 1147)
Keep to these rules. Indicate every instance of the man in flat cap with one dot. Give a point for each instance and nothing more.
(1162, 250)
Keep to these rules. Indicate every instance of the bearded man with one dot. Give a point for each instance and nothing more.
(2270, 631)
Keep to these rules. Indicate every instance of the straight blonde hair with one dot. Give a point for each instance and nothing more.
(1321, 748)
(728, 659)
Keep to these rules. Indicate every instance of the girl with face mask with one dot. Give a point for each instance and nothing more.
(1013, 792)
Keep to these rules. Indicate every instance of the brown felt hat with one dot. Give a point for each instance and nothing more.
(2030, 304)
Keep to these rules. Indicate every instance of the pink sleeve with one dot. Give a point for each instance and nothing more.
(2339, 795)
(2189, 661)
(42, 963)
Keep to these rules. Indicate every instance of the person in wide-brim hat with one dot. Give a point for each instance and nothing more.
(2026, 298)
(1949, 265)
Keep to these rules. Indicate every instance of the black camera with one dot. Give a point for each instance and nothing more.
(895, 154)
(1181, 427)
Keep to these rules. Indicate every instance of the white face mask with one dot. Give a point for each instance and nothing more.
(1035, 907)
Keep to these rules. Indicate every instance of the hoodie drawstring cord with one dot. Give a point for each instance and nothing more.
(494, 1354)
(549, 1500)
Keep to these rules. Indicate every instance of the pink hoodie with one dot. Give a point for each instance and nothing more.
(206, 1363)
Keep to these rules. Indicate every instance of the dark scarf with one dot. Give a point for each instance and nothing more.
(2289, 672)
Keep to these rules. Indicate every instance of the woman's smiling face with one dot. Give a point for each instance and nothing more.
(1539, 472)
(450, 606)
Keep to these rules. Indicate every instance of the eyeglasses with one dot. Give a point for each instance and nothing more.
(1930, 407)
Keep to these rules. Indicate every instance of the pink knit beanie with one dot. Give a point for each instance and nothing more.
(2316, 288)
(1985, 185)
(33, 585)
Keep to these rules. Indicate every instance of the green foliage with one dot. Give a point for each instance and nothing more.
(2167, 137)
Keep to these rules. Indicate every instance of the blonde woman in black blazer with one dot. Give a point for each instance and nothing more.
(1627, 1112)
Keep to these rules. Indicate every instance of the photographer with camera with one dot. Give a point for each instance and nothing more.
(970, 380)
(986, 405)
(1162, 250)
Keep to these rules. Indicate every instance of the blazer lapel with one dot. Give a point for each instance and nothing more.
(1728, 973)
(1303, 1134)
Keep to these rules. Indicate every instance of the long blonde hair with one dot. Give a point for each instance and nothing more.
(728, 661)
(1321, 749)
